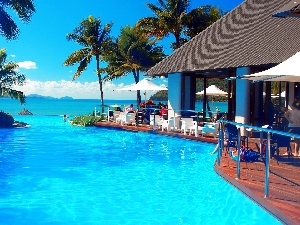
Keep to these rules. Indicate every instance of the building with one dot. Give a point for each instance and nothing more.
(248, 39)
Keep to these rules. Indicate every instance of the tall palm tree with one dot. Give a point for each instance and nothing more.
(173, 17)
(132, 52)
(24, 10)
(10, 77)
(94, 38)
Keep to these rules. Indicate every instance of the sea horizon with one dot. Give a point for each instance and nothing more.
(75, 107)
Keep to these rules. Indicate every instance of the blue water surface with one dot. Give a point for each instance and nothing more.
(54, 173)
(75, 107)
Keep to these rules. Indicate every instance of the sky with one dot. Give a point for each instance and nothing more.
(42, 47)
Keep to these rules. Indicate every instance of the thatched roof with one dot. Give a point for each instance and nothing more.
(246, 36)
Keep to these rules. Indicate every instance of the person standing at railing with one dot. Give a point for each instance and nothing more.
(293, 117)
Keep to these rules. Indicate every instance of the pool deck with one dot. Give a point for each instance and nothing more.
(283, 199)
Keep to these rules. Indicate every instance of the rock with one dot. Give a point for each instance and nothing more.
(25, 112)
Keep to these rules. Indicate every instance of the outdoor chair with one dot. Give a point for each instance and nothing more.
(119, 117)
(156, 121)
(194, 128)
(116, 114)
(231, 137)
(210, 128)
(171, 124)
(186, 124)
(129, 118)
(281, 141)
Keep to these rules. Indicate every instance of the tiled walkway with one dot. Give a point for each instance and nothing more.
(283, 200)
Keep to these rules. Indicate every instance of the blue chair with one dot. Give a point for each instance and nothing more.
(231, 135)
(280, 141)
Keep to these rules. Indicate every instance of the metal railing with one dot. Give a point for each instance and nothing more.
(262, 130)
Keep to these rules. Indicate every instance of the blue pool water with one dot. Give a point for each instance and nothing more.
(53, 173)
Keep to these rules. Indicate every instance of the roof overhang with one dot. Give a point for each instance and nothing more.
(214, 73)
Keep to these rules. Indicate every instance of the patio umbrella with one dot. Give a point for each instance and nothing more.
(213, 90)
(287, 71)
(143, 85)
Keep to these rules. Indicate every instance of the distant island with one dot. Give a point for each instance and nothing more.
(46, 97)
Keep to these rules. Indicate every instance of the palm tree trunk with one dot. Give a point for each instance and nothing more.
(100, 84)
(136, 75)
(177, 41)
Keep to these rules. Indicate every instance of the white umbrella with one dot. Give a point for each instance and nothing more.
(143, 85)
(287, 71)
(213, 90)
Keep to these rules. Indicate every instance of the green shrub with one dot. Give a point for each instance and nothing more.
(86, 120)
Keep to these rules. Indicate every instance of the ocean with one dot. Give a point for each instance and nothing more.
(74, 107)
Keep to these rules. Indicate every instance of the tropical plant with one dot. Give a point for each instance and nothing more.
(200, 18)
(24, 10)
(94, 38)
(173, 17)
(132, 52)
(9, 76)
(86, 120)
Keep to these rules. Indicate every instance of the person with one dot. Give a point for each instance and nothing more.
(65, 118)
(130, 109)
(163, 112)
(284, 121)
(293, 117)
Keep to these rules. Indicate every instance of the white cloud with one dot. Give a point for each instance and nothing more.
(78, 90)
(27, 65)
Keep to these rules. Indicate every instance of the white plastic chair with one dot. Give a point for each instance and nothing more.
(116, 114)
(196, 129)
(129, 118)
(171, 124)
(186, 124)
(120, 117)
(156, 121)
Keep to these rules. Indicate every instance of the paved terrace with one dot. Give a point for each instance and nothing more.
(284, 186)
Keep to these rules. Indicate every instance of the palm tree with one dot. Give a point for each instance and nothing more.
(94, 38)
(132, 52)
(24, 10)
(10, 77)
(172, 17)
(200, 18)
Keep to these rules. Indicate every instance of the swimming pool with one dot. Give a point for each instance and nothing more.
(54, 173)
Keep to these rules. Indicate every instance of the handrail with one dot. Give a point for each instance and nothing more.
(256, 128)
(267, 130)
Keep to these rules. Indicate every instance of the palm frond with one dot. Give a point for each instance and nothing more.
(77, 56)
(82, 66)
(8, 28)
